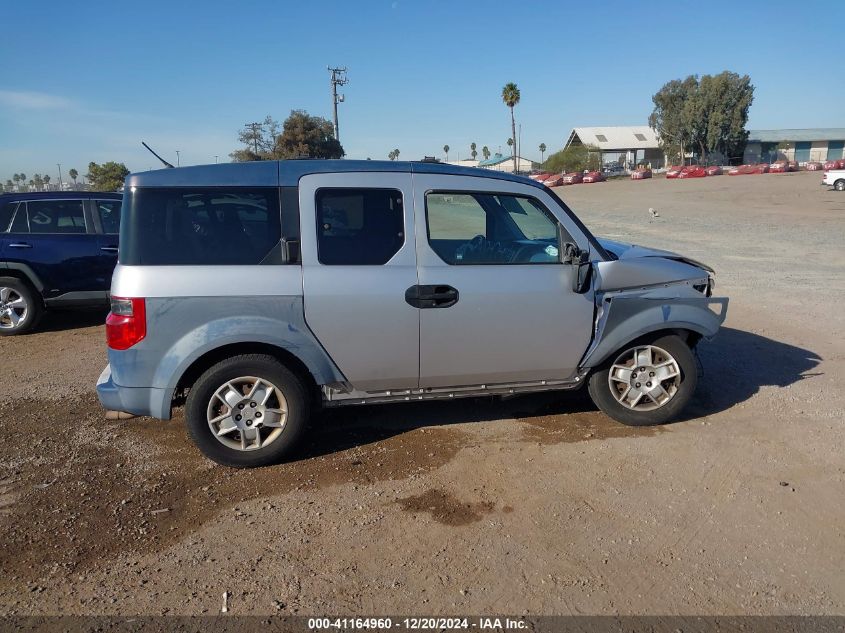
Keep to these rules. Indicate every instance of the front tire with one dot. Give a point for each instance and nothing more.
(839, 185)
(247, 411)
(20, 307)
(648, 382)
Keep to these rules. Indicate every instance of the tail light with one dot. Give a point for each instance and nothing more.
(126, 324)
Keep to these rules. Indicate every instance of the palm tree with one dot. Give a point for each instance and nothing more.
(485, 152)
(38, 182)
(446, 150)
(510, 95)
(391, 155)
(16, 178)
(472, 152)
(396, 153)
(73, 174)
(542, 151)
(47, 180)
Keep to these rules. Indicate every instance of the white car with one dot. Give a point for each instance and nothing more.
(835, 178)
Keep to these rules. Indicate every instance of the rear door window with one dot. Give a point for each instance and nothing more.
(56, 216)
(109, 212)
(7, 211)
(359, 227)
(208, 226)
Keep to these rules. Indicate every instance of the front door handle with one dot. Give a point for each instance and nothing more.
(431, 296)
(20, 245)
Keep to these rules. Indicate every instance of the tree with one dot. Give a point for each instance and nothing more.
(73, 175)
(706, 115)
(510, 95)
(306, 136)
(302, 136)
(396, 153)
(38, 181)
(47, 180)
(472, 151)
(485, 152)
(542, 151)
(446, 151)
(9, 184)
(574, 158)
(391, 155)
(106, 177)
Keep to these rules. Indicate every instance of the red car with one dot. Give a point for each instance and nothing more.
(674, 171)
(793, 166)
(593, 176)
(692, 171)
(555, 180)
(834, 164)
(540, 177)
(814, 166)
(573, 178)
(641, 174)
(744, 170)
(713, 170)
(779, 167)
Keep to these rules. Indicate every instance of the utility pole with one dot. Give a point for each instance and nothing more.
(255, 127)
(338, 78)
(177, 158)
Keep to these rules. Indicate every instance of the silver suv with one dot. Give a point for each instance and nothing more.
(256, 292)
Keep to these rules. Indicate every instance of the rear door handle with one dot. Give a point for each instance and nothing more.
(109, 249)
(431, 296)
(20, 245)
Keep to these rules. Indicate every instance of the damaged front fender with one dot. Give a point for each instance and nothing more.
(625, 315)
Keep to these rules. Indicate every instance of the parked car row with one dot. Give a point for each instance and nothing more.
(569, 178)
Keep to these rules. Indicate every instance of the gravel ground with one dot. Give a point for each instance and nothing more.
(537, 505)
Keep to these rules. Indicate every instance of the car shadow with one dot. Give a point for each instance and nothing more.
(735, 365)
(58, 320)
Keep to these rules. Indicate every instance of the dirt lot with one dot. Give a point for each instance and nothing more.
(536, 505)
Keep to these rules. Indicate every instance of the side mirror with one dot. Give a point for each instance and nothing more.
(582, 269)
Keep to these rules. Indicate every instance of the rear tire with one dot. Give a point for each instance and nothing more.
(20, 307)
(644, 390)
(839, 185)
(247, 411)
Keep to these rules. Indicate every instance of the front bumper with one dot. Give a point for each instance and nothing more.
(147, 401)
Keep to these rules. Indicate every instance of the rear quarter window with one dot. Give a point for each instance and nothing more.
(210, 226)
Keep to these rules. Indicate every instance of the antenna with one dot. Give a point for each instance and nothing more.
(150, 149)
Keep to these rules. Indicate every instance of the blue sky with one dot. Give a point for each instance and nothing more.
(90, 80)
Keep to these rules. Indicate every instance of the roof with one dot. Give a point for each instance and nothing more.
(497, 158)
(285, 173)
(616, 137)
(59, 195)
(797, 135)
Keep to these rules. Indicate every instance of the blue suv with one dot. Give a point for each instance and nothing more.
(56, 250)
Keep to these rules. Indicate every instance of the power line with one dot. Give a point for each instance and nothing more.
(338, 78)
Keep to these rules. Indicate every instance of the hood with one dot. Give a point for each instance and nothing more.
(621, 250)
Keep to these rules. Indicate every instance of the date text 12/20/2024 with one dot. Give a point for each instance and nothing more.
(415, 624)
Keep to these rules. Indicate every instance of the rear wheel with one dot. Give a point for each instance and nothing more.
(839, 185)
(247, 411)
(20, 307)
(648, 382)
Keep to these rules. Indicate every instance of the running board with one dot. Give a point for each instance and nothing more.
(342, 394)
